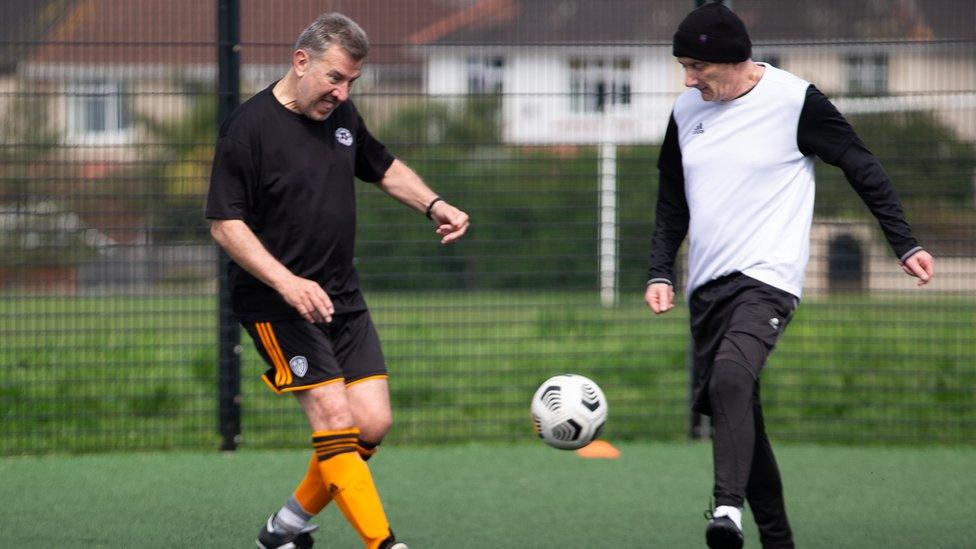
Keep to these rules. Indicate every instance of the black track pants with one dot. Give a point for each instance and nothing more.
(745, 467)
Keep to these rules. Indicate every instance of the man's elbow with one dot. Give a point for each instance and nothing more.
(218, 230)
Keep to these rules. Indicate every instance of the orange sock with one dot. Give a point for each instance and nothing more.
(311, 493)
(347, 479)
(365, 449)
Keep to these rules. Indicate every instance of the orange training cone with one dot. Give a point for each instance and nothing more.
(598, 449)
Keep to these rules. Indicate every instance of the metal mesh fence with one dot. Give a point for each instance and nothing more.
(542, 119)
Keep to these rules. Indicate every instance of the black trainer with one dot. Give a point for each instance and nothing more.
(722, 533)
(268, 538)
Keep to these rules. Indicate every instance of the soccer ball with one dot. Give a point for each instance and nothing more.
(568, 411)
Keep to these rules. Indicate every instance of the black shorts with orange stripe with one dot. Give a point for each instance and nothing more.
(302, 355)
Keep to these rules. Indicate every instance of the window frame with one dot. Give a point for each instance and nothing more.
(867, 74)
(600, 85)
(485, 74)
(98, 112)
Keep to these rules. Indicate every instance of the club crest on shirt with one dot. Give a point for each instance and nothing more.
(344, 136)
(299, 365)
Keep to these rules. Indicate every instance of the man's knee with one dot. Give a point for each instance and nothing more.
(372, 430)
(374, 427)
(335, 416)
(730, 382)
(327, 407)
(370, 403)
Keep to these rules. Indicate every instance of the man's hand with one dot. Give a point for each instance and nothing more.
(659, 297)
(405, 185)
(451, 222)
(241, 244)
(920, 265)
(308, 298)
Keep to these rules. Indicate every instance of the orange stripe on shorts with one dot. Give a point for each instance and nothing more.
(264, 332)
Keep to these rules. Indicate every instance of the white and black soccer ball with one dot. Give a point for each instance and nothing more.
(568, 411)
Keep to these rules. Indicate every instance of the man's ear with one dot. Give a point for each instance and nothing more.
(300, 61)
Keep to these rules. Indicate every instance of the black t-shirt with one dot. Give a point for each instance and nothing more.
(290, 179)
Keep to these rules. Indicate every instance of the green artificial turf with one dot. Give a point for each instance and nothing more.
(488, 496)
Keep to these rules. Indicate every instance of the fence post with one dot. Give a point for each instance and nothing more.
(608, 223)
(228, 334)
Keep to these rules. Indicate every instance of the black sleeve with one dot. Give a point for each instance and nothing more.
(232, 180)
(372, 158)
(671, 224)
(825, 132)
(869, 179)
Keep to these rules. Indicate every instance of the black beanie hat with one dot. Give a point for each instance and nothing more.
(714, 34)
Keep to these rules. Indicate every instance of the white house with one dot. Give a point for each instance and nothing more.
(576, 71)
(105, 64)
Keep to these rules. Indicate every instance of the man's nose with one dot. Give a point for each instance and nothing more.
(341, 92)
(690, 80)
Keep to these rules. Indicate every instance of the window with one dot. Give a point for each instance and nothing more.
(867, 74)
(485, 75)
(98, 111)
(597, 85)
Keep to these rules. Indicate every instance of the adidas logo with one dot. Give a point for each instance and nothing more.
(698, 129)
(774, 322)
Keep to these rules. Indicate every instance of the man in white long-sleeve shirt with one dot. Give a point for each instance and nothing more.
(737, 177)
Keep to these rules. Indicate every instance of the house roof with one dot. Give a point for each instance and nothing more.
(25, 24)
(567, 22)
(185, 31)
(912, 20)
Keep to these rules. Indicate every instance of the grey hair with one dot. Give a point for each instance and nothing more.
(334, 28)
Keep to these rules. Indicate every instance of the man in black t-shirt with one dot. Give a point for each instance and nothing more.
(282, 204)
